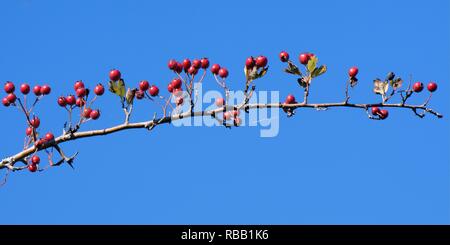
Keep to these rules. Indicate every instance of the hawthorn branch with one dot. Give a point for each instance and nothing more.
(21, 156)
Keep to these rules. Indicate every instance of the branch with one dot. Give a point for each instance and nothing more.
(21, 156)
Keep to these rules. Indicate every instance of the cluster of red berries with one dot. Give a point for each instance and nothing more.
(260, 61)
(304, 57)
(228, 115)
(189, 67)
(234, 114)
(35, 160)
(221, 71)
(144, 85)
(81, 93)
(49, 137)
(34, 123)
(24, 89)
(175, 88)
(382, 114)
(418, 87)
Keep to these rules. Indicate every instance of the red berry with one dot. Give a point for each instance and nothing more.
(311, 55)
(95, 114)
(432, 86)
(144, 85)
(81, 92)
(179, 68)
(223, 72)
(87, 112)
(37, 90)
(35, 122)
(153, 91)
(375, 110)
(176, 83)
(352, 72)
(220, 102)
(29, 131)
(45, 90)
(114, 75)
(99, 89)
(237, 121)
(235, 113)
(179, 101)
(80, 102)
(25, 88)
(204, 63)
(139, 94)
(177, 92)
(215, 69)
(78, 84)
(196, 64)
(192, 70)
(49, 137)
(172, 64)
(249, 62)
(11, 98)
(383, 114)
(5, 102)
(9, 87)
(32, 168)
(226, 115)
(284, 56)
(70, 100)
(62, 101)
(290, 99)
(261, 61)
(304, 58)
(170, 88)
(418, 87)
(186, 64)
(39, 143)
(35, 160)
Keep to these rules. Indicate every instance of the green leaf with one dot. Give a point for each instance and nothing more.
(312, 64)
(319, 71)
(117, 88)
(121, 85)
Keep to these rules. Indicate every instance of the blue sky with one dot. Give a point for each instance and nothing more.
(333, 167)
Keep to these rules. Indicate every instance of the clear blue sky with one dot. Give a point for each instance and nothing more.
(333, 167)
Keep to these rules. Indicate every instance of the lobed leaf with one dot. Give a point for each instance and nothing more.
(380, 87)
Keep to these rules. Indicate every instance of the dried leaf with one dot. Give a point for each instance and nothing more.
(292, 69)
(380, 87)
(353, 81)
(301, 81)
(397, 83)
